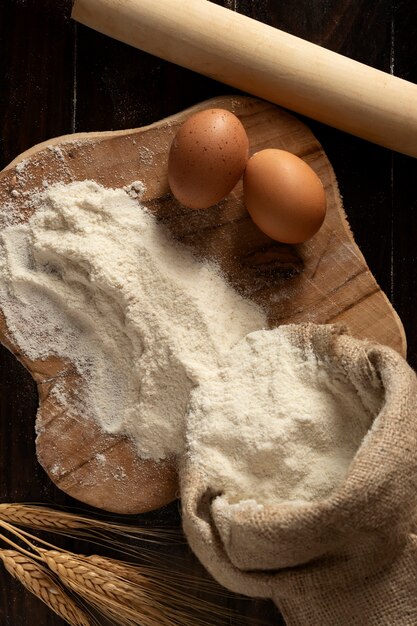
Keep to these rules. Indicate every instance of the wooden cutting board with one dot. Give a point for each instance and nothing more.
(325, 280)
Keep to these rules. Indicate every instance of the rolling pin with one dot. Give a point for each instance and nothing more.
(266, 62)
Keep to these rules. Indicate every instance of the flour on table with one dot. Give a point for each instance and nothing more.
(169, 354)
(276, 423)
(94, 279)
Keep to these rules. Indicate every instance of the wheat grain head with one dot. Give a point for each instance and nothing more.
(36, 578)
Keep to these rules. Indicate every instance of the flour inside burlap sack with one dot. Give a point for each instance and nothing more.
(345, 558)
(278, 423)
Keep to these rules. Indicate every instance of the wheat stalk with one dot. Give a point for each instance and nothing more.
(162, 591)
(97, 531)
(124, 571)
(40, 517)
(39, 581)
(119, 591)
(54, 520)
(111, 534)
(127, 594)
(106, 585)
(166, 588)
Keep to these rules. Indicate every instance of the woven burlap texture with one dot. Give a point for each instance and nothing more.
(350, 559)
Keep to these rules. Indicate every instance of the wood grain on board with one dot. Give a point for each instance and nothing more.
(325, 280)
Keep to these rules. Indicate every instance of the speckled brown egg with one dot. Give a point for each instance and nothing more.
(207, 158)
(284, 196)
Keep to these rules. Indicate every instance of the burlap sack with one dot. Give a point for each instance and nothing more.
(350, 559)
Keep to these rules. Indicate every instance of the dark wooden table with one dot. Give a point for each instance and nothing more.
(57, 77)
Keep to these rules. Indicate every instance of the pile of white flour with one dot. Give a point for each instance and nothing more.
(93, 278)
(167, 351)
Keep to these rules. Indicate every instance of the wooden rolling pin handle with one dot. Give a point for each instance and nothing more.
(265, 62)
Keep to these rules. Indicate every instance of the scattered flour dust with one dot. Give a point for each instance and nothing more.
(170, 354)
(93, 278)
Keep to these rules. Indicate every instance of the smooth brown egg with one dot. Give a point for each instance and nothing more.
(284, 196)
(207, 157)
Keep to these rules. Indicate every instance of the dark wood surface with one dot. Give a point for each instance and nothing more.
(57, 77)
